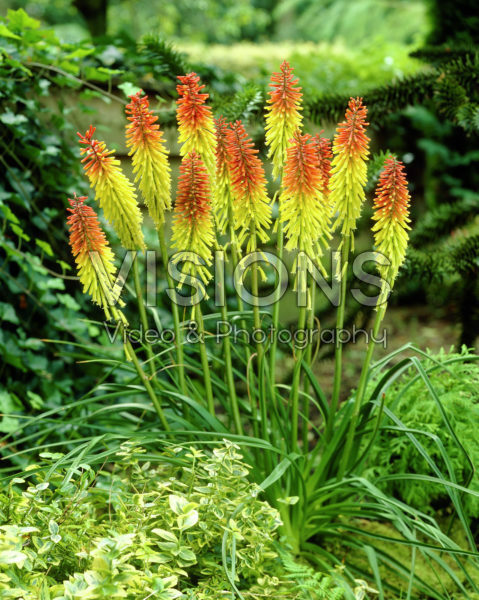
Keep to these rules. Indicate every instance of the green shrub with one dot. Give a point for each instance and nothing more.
(456, 383)
(135, 529)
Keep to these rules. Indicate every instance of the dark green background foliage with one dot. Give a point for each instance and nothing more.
(453, 22)
(431, 120)
(228, 21)
(39, 169)
(456, 382)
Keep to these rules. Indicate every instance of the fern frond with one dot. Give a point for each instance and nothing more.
(380, 101)
(309, 583)
(246, 105)
(441, 221)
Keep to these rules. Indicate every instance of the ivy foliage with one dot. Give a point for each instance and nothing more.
(246, 105)
(188, 525)
(39, 170)
(455, 380)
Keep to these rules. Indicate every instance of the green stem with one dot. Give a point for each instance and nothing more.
(259, 345)
(308, 359)
(275, 315)
(276, 305)
(142, 311)
(174, 310)
(143, 377)
(235, 257)
(360, 392)
(338, 355)
(204, 359)
(295, 385)
(228, 364)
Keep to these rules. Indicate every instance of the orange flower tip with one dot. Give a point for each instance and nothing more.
(87, 138)
(86, 234)
(351, 132)
(195, 120)
(284, 82)
(190, 86)
(391, 204)
(285, 95)
(392, 196)
(245, 167)
(96, 153)
(142, 127)
(301, 173)
(76, 200)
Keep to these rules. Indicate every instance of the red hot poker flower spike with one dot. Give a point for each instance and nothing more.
(193, 228)
(92, 253)
(252, 211)
(391, 206)
(303, 207)
(195, 121)
(113, 190)
(349, 168)
(283, 116)
(150, 157)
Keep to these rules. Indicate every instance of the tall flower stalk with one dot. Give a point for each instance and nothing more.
(391, 216)
(94, 259)
(193, 235)
(283, 119)
(224, 218)
(347, 182)
(152, 175)
(323, 156)
(251, 218)
(306, 218)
